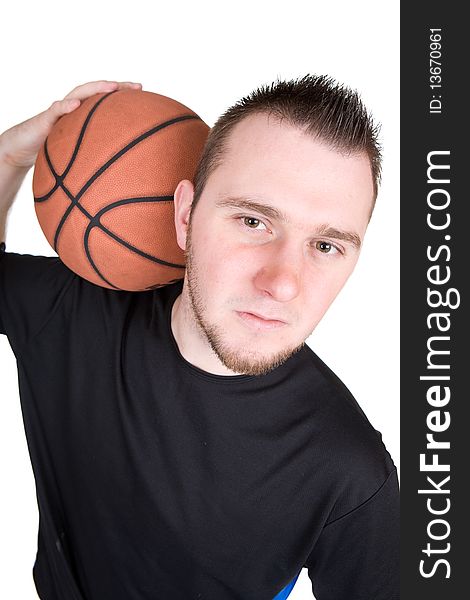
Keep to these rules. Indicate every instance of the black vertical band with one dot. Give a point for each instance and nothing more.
(435, 254)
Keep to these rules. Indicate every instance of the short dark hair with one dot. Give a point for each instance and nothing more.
(319, 105)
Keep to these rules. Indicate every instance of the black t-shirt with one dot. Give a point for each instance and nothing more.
(156, 479)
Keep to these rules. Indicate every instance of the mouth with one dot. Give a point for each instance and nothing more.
(259, 322)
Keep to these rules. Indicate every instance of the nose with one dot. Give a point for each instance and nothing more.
(279, 276)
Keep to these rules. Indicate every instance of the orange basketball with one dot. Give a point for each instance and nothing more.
(103, 187)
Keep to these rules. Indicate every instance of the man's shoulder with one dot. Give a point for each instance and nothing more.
(36, 265)
(36, 290)
(331, 392)
(353, 449)
(31, 265)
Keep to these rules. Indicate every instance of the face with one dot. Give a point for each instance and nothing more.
(272, 240)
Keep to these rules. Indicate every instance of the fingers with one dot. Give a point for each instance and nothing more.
(61, 107)
(85, 90)
(129, 84)
(74, 98)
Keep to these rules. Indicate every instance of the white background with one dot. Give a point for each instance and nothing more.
(207, 55)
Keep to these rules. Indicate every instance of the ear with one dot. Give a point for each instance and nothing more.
(183, 195)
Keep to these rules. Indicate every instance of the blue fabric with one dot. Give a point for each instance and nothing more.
(287, 590)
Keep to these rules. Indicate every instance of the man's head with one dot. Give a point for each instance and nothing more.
(274, 223)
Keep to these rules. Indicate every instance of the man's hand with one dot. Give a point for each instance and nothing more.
(19, 145)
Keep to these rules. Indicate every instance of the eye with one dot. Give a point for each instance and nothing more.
(251, 222)
(327, 248)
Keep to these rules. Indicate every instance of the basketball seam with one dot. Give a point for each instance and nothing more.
(74, 153)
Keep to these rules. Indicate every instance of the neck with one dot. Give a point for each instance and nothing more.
(191, 339)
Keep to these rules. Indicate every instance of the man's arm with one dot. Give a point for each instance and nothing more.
(11, 179)
(357, 554)
(19, 145)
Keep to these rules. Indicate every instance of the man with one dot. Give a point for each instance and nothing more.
(186, 442)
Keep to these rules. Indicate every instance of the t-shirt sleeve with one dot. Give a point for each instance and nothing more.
(31, 289)
(357, 554)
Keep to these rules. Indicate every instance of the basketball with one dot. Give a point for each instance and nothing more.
(103, 186)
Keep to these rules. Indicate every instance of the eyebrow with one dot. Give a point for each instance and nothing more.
(274, 213)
